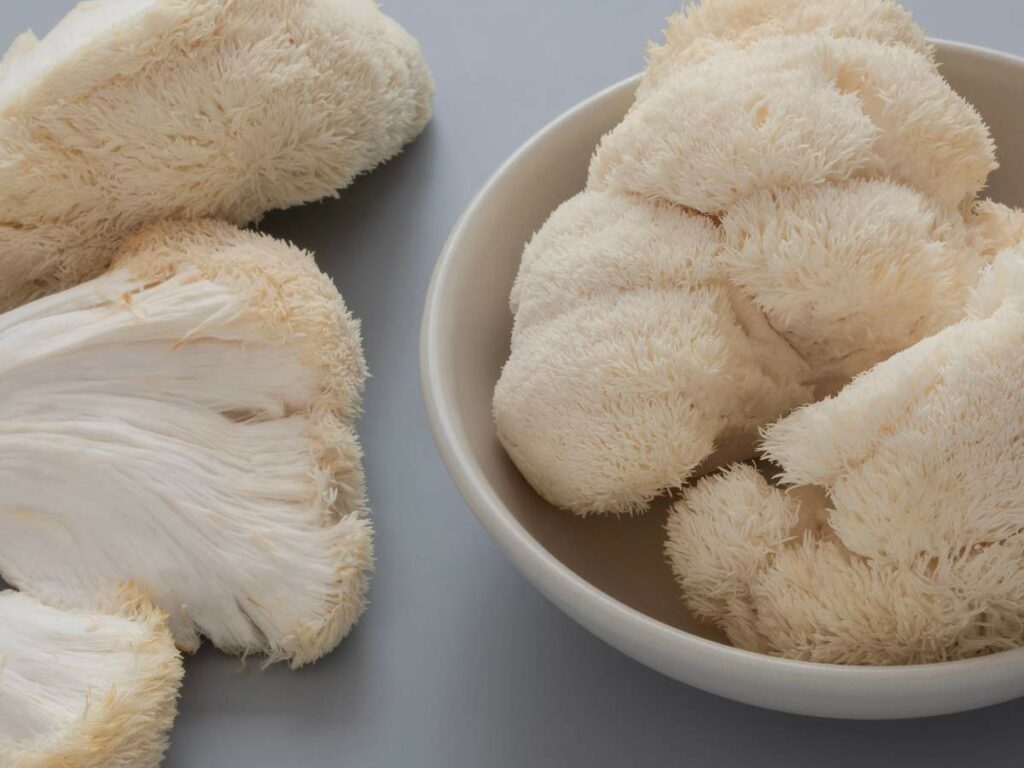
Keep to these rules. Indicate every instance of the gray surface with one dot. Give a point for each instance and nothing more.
(459, 661)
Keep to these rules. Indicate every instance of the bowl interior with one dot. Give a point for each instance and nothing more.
(471, 325)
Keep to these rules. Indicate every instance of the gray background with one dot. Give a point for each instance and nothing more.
(459, 662)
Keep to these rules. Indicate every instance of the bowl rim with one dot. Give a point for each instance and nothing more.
(547, 573)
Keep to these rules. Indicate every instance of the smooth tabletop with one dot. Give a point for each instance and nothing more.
(459, 662)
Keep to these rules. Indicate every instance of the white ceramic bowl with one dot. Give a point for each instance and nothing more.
(610, 575)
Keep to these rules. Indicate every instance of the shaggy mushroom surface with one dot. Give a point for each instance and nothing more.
(85, 689)
(186, 422)
(132, 111)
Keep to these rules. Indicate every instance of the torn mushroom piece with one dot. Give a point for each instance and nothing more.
(185, 421)
(912, 481)
(131, 111)
(85, 689)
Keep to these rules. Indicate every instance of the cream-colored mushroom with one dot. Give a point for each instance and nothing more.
(769, 220)
(185, 421)
(901, 539)
(131, 111)
(87, 689)
(701, 29)
(797, 111)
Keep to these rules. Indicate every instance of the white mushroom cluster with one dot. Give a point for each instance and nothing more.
(791, 199)
(178, 397)
(899, 537)
(792, 203)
